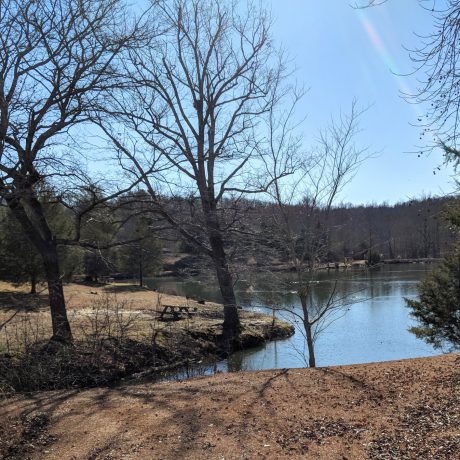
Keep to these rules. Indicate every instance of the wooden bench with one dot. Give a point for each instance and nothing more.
(176, 311)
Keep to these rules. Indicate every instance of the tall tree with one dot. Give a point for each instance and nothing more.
(199, 90)
(57, 60)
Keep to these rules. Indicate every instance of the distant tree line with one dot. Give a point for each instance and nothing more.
(409, 230)
(414, 229)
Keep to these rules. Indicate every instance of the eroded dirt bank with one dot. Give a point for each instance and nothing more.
(395, 410)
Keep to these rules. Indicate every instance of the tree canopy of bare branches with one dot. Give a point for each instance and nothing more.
(58, 58)
(437, 66)
(191, 119)
(438, 58)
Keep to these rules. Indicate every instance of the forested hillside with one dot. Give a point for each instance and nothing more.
(133, 241)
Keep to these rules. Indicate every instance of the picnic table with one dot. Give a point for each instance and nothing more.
(176, 311)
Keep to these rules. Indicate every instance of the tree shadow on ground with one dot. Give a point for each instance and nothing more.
(183, 426)
(20, 301)
(359, 384)
(122, 288)
(166, 416)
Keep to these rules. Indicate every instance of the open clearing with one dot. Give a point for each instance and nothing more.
(126, 309)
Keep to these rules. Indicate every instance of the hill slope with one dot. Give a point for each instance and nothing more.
(402, 409)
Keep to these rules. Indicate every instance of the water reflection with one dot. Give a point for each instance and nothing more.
(375, 329)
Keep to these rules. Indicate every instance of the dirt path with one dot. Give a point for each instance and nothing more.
(395, 410)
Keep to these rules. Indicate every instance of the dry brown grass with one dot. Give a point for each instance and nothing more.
(125, 302)
(117, 332)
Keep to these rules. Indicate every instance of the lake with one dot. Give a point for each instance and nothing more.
(374, 328)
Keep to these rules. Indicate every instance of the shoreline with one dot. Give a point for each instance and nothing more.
(172, 272)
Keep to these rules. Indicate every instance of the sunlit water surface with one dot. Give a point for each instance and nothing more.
(375, 328)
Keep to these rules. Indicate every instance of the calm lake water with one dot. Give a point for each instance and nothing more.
(375, 328)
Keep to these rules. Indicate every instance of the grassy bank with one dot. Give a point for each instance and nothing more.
(118, 332)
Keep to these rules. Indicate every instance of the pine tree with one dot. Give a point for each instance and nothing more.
(20, 262)
(438, 307)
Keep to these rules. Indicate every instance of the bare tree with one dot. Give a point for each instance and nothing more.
(199, 89)
(438, 60)
(437, 66)
(57, 60)
(299, 228)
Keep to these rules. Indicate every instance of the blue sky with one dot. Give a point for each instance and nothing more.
(341, 53)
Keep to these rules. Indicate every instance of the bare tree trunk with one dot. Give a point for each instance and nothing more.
(141, 270)
(390, 248)
(310, 345)
(308, 331)
(231, 326)
(33, 284)
(61, 325)
(38, 232)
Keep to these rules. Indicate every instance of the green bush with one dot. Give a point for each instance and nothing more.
(438, 307)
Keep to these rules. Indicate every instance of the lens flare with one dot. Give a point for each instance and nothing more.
(379, 46)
